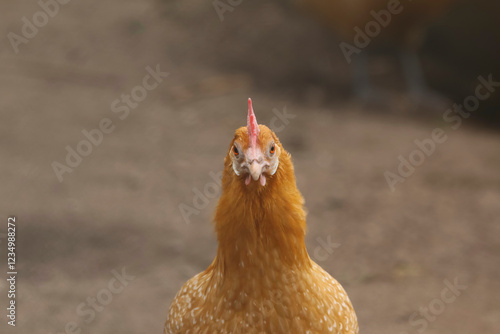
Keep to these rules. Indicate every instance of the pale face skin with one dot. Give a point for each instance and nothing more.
(255, 163)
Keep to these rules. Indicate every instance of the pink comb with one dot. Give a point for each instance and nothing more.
(252, 126)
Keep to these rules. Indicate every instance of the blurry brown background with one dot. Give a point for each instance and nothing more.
(120, 206)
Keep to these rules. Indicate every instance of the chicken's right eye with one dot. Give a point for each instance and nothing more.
(235, 151)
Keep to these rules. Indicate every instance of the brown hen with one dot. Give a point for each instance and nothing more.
(361, 24)
(262, 279)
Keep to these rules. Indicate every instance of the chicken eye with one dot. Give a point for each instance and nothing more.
(235, 151)
(272, 149)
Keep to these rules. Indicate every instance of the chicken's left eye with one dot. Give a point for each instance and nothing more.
(272, 149)
(235, 151)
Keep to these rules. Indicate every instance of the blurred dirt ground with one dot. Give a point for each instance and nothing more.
(119, 208)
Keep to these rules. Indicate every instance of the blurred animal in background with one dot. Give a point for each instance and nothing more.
(262, 279)
(383, 23)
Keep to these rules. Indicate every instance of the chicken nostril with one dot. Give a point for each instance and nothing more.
(259, 161)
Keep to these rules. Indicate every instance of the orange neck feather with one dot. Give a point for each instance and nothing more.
(252, 221)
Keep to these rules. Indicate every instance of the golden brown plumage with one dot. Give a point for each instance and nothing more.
(262, 279)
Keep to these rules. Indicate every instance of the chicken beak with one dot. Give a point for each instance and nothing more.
(255, 170)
